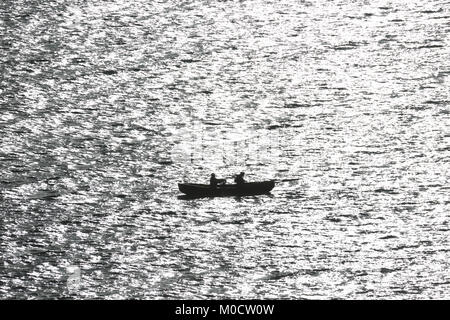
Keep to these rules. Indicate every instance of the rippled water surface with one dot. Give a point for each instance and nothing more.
(106, 105)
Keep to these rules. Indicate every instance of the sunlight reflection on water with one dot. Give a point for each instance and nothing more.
(106, 107)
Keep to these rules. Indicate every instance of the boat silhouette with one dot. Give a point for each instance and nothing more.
(243, 189)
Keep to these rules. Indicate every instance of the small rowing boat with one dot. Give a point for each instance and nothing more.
(245, 189)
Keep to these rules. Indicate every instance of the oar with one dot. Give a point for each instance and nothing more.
(277, 180)
(287, 180)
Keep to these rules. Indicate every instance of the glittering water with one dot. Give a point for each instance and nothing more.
(106, 105)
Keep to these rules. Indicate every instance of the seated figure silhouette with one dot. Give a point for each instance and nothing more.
(239, 179)
(213, 181)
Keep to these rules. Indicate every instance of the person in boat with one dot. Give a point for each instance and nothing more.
(239, 179)
(213, 181)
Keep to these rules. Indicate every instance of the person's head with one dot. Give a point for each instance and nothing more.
(241, 174)
(213, 175)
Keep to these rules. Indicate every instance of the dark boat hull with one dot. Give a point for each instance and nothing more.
(205, 190)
